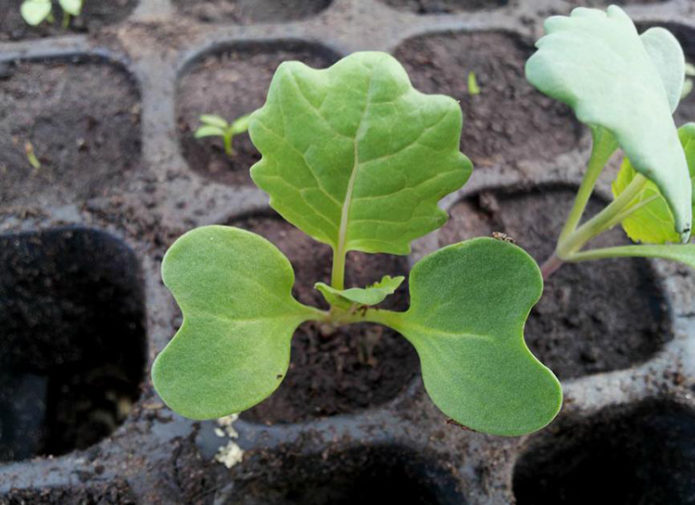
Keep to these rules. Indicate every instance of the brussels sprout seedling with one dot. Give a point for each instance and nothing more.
(625, 86)
(36, 12)
(358, 159)
(217, 126)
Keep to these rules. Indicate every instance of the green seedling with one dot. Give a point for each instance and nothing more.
(31, 155)
(358, 159)
(473, 88)
(625, 87)
(36, 12)
(688, 84)
(216, 126)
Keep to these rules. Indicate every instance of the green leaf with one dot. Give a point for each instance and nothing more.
(469, 303)
(214, 120)
(208, 131)
(241, 124)
(35, 12)
(596, 62)
(73, 7)
(354, 156)
(653, 222)
(371, 295)
(233, 348)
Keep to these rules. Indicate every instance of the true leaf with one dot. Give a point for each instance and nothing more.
(371, 295)
(71, 6)
(469, 303)
(354, 156)
(208, 131)
(233, 347)
(597, 63)
(214, 120)
(35, 12)
(653, 223)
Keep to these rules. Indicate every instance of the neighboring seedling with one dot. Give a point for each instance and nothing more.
(473, 88)
(36, 12)
(217, 126)
(357, 158)
(625, 86)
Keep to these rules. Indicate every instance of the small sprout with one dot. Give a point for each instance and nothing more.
(31, 155)
(473, 88)
(688, 84)
(216, 126)
(36, 12)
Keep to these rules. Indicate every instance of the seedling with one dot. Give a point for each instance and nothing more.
(473, 88)
(36, 12)
(357, 158)
(625, 86)
(31, 155)
(217, 126)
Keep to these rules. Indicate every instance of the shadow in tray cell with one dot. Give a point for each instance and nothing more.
(251, 11)
(73, 339)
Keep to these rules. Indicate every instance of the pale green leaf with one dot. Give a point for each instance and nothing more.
(469, 304)
(214, 120)
(354, 156)
(208, 131)
(596, 62)
(652, 222)
(371, 295)
(35, 12)
(241, 124)
(73, 7)
(233, 348)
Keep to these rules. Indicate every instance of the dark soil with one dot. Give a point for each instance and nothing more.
(114, 493)
(251, 11)
(444, 6)
(595, 316)
(231, 84)
(623, 456)
(72, 340)
(83, 121)
(95, 14)
(508, 120)
(357, 366)
(604, 3)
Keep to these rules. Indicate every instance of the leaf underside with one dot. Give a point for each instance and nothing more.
(354, 156)
(596, 62)
(371, 295)
(233, 348)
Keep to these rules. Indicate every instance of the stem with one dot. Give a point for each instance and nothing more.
(550, 266)
(604, 145)
(66, 20)
(338, 270)
(371, 315)
(625, 251)
(228, 144)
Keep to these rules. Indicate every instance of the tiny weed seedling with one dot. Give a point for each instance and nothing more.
(36, 12)
(358, 159)
(213, 125)
(625, 86)
(473, 88)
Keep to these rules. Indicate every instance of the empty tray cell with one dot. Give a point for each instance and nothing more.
(73, 339)
(81, 120)
(231, 83)
(508, 120)
(445, 6)
(251, 11)
(95, 14)
(594, 316)
(642, 454)
(342, 370)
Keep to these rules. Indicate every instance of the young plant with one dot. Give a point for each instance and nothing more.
(36, 12)
(625, 86)
(357, 158)
(217, 126)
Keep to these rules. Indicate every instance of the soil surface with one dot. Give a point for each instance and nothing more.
(444, 6)
(355, 367)
(73, 340)
(644, 454)
(115, 493)
(83, 122)
(508, 120)
(251, 11)
(594, 316)
(605, 3)
(231, 84)
(95, 14)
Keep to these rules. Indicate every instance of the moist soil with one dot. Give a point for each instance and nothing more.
(114, 493)
(444, 6)
(83, 121)
(250, 11)
(350, 368)
(95, 14)
(594, 316)
(231, 84)
(622, 456)
(509, 120)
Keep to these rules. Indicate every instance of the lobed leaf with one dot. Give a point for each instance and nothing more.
(371, 295)
(354, 156)
(233, 348)
(469, 304)
(34, 12)
(596, 62)
(653, 222)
